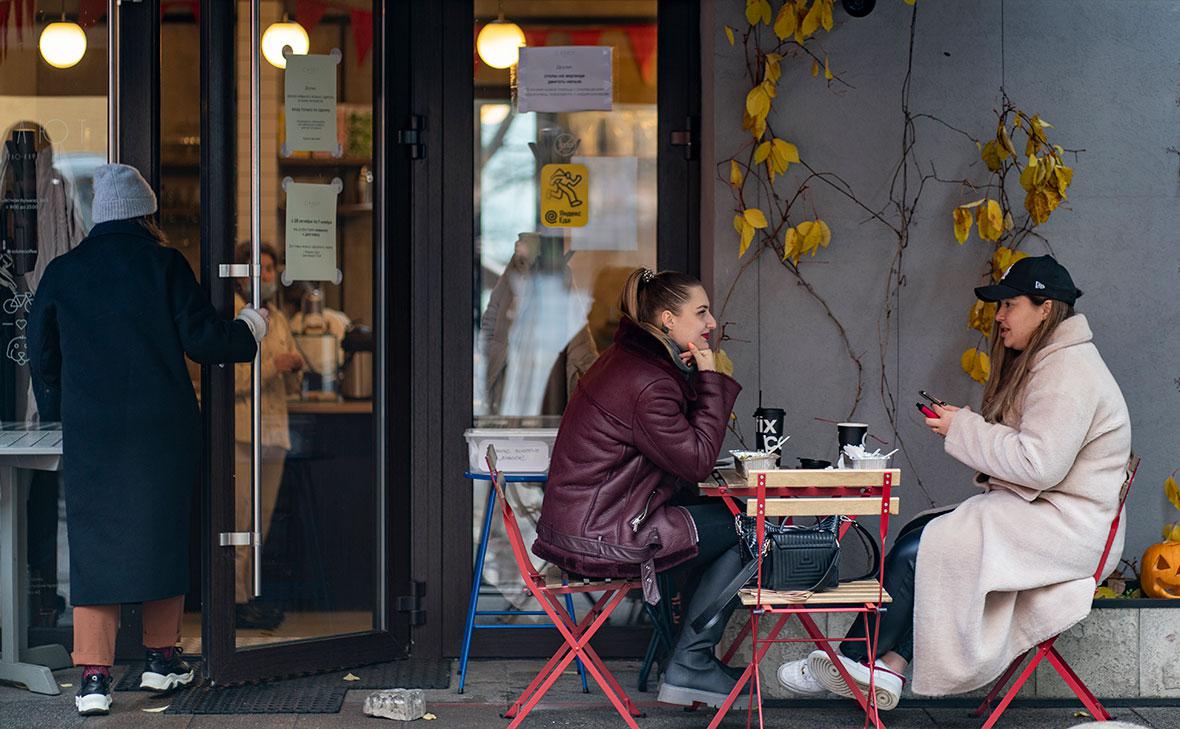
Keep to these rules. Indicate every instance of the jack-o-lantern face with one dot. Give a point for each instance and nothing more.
(1160, 575)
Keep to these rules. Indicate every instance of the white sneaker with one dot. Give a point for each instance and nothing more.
(886, 684)
(795, 676)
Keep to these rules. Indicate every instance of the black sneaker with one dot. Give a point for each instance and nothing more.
(165, 674)
(94, 695)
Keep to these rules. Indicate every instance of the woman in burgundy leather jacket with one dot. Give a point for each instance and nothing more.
(647, 420)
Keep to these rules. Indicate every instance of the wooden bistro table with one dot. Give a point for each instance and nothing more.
(23, 448)
(791, 493)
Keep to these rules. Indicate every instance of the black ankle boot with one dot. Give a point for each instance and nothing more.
(694, 675)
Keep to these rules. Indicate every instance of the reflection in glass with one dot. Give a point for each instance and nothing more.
(53, 134)
(548, 296)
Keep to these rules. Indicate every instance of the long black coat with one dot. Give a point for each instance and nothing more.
(110, 325)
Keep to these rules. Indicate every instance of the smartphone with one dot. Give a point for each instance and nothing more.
(931, 398)
(925, 410)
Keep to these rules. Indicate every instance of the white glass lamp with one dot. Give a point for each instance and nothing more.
(62, 44)
(282, 34)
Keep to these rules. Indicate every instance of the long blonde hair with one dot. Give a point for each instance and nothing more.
(1010, 368)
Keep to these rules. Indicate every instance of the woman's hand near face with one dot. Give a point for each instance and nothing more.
(942, 424)
(703, 357)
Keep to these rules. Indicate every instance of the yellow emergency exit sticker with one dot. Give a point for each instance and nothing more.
(565, 196)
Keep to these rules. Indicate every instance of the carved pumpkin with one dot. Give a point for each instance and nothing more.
(1160, 574)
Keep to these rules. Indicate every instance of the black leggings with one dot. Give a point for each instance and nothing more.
(715, 534)
(897, 622)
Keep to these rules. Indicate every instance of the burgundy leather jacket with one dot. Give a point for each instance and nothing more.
(636, 430)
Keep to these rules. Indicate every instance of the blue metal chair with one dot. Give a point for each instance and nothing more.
(477, 579)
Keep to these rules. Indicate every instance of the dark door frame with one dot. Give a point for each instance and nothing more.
(433, 248)
(224, 664)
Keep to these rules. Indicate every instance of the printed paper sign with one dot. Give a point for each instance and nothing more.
(564, 78)
(565, 196)
(309, 98)
(311, 232)
(613, 187)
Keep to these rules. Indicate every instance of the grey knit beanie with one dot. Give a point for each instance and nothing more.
(120, 192)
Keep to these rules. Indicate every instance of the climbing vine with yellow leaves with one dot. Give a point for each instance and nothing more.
(758, 169)
(1044, 177)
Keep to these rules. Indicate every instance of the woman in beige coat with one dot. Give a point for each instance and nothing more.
(1050, 449)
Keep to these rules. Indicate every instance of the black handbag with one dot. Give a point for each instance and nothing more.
(803, 558)
(795, 557)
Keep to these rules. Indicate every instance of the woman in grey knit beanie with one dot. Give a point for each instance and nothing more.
(111, 324)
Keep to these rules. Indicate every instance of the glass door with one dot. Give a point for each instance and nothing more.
(282, 191)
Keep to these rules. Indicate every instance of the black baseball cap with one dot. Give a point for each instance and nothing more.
(1033, 276)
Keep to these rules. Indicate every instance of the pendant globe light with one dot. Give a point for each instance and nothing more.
(62, 44)
(282, 34)
(499, 42)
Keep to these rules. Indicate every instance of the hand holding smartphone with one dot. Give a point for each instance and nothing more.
(933, 400)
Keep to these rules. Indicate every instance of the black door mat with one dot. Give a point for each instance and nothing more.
(420, 673)
(280, 697)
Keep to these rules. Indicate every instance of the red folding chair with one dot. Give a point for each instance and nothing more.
(1045, 649)
(576, 636)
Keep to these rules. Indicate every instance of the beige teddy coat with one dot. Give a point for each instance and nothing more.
(1015, 565)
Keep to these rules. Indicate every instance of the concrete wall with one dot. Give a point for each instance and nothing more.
(1105, 73)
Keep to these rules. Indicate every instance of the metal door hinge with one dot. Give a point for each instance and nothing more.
(412, 137)
(238, 539)
(412, 603)
(686, 137)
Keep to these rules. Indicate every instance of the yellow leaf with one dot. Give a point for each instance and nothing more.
(815, 68)
(1064, 178)
(962, 224)
(1009, 224)
(827, 71)
(1006, 143)
(351, 677)
(826, 17)
(1171, 491)
(813, 234)
(758, 102)
(976, 364)
(729, 34)
(1003, 259)
(982, 317)
(738, 222)
(1039, 204)
(747, 233)
(910, 2)
(812, 20)
(156, 709)
(990, 220)
(722, 362)
(786, 21)
(1028, 174)
(735, 173)
(761, 152)
(758, 10)
(428, 717)
(1175, 535)
(991, 156)
(754, 217)
(783, 153)
(1105, 592)
(792, 247)
(773, 69)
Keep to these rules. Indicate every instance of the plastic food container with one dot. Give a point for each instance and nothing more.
(518, 450)
(747, 461)
(877, 463)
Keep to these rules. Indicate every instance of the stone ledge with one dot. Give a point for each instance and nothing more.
(1125, 649)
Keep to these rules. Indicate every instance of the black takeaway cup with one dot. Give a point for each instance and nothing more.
(851, 434)
(768, 430)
